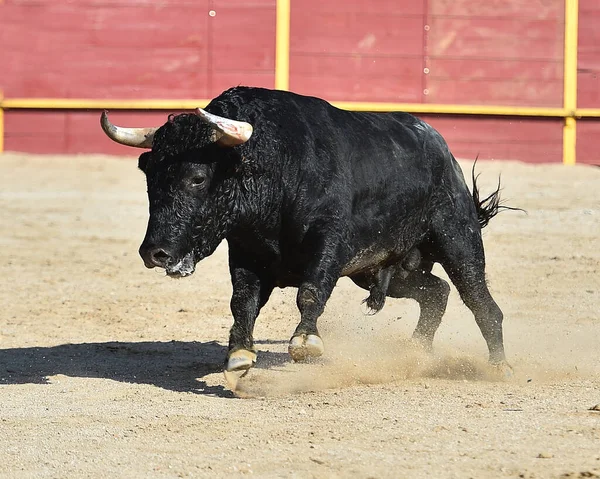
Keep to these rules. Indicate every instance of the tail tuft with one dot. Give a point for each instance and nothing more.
(490, 206)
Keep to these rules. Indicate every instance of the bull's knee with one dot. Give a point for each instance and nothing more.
(309, 300)
(305, 346)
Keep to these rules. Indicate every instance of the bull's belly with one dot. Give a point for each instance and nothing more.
(371, 259)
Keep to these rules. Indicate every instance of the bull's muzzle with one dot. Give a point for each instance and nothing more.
(174, 266)
(154, 256)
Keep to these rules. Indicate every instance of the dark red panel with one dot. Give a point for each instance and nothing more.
(243, 39)
(216, 5)
(499, 82)
(372, 32)
(136, 51)
(588, 132)
(494, 91)
(448, 67)
(391, 7)
(588, 77)
(224, 80)
(588, 89)
(507, 53)
(70, 132)
(104, 51)
(123, 26)
(358, 51)
(588, 6)
(493, 52)
(524, 139)
(39, 132)
(539, 9)
(499, 38)
(358, 78)
(120, 77)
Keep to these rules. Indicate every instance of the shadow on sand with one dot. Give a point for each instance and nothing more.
(175, 365)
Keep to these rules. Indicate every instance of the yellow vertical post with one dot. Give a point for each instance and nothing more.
(570, 81)
(1, 122)
(282, 46)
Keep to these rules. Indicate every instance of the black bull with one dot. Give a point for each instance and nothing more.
(305, 193)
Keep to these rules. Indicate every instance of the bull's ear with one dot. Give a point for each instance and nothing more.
(143, 161)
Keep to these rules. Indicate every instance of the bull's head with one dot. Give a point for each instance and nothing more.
(188, 172)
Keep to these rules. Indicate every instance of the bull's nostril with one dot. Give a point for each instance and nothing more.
(159, 257)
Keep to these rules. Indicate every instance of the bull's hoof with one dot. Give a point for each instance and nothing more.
(241, 360)
(503, 370)
(238, 365)
(306, 346)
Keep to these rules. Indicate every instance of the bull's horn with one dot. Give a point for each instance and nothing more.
(138, 137)
(232, 132)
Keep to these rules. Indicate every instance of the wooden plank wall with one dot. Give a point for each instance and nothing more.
(137, 49)
(588, 78)
(526, 139)
(497, 53)
(359, 50)
(440, 51)
(506, 52)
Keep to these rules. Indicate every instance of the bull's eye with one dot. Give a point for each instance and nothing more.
(198, 181)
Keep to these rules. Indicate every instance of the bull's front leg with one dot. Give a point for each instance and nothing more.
(320, 279)
(250, 293)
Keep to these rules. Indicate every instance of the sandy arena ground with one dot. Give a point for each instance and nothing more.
(108, 369)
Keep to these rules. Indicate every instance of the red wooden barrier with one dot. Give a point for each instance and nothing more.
(423, 51)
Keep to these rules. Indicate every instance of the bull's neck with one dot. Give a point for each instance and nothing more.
(257, 228)
(248, 200)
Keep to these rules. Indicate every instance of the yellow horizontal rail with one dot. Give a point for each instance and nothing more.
(443, 109)
(190, 104)
(587, 113)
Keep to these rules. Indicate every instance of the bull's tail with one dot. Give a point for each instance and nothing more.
(491, 205)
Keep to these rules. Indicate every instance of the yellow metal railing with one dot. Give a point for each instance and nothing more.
(569, 112)
(1, 122)
(570, 81)
(282, 46)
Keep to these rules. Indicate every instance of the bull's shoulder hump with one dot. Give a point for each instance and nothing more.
(273, 101)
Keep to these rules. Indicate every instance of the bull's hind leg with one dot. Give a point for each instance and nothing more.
(462, 257)
(431, 293)
(427, 289)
